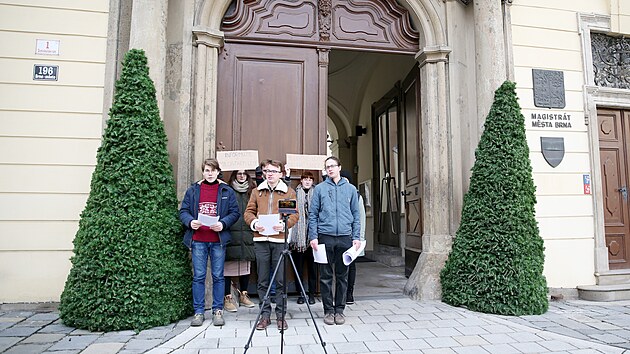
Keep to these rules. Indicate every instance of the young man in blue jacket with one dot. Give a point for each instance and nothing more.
(211, 197)
(334, 220)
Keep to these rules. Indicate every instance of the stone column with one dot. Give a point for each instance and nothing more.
(323, 96)
(424, 282)
(148, 32)
(178, 92)
(490, 57)
(204, 115)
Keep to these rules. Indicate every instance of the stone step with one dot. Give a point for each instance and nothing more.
(614, 292)
(390, 256)
(613, 277)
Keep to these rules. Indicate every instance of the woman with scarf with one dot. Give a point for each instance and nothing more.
(299, 245)
(240, 251)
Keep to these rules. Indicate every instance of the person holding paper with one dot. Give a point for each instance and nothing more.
(240, 252)
(269, 236)
(209, 197)
(334, 220)
(299, 244)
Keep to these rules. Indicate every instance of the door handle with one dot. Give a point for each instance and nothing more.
(624, 192)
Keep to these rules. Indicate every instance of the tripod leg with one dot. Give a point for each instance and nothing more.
(264, 301)
(303, 293)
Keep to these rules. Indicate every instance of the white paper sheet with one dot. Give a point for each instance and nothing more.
(207, 220)
(352, 253)
(320, 254)
(268, 222)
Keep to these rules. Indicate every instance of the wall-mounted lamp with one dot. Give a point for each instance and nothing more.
(359, 130)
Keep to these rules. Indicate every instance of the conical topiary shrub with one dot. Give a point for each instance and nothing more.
(129, 269)
(497, 259)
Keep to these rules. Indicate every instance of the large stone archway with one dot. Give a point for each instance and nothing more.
(432, 59)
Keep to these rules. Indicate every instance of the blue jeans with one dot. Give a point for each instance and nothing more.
(200, 252)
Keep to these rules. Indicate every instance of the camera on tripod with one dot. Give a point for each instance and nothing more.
(287, 206)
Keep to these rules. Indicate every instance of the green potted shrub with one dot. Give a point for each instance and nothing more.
(497, 259)
(129, 269)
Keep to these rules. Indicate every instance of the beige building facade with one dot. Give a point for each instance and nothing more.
(430, 101)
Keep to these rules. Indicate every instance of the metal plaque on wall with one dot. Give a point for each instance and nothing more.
(548, 88)
(552, 150)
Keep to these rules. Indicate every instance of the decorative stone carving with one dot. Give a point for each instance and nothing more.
(324, 19)
(323, 56)
(360, 23)
(377, 25)
(272, 20)
(611, 61)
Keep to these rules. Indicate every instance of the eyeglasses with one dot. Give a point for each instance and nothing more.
(271, 171)
(241, 173)
(331, 166)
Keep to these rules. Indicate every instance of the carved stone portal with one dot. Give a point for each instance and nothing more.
(376, 25)
(611, 61)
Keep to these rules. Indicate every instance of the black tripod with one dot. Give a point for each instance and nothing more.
(286, 254)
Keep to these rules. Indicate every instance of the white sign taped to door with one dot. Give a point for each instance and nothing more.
(305, 162)
(238, 160)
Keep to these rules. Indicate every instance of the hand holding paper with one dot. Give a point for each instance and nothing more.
(268, 222)
(352, 253)
(207, 220)
(320, 254)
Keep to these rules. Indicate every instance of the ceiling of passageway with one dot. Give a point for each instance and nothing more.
(356, 79)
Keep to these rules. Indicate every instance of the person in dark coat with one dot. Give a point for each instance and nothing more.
(299, 245)
(240, 251)
(210, 198)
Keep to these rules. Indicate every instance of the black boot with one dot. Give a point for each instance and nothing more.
(300, 300)
(311, 299)
(349, 298)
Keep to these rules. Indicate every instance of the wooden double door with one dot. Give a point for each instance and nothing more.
(268, 101)
(614, 149)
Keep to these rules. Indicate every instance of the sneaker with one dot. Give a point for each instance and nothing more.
(197, 320)
(329, 319)
(282, 324)
(340, 319)
(228, 304)
(217, 318)
(311, 299)
(263, 323)
(349, 299)
(244, 300)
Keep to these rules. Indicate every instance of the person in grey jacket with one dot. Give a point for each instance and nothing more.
(334, 220)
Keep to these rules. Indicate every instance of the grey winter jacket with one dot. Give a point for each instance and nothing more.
(334, 210)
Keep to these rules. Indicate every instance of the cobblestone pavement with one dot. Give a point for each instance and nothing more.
(373, 325)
